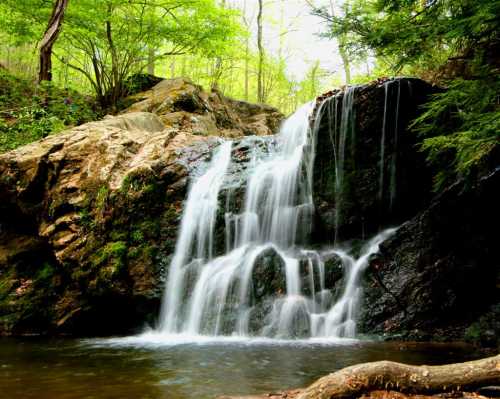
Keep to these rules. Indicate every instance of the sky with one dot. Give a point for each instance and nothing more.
(302, 44)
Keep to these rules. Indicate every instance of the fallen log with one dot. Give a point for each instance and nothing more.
(389, 380)
(355, 380)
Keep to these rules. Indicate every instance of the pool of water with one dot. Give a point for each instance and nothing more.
(152, 366)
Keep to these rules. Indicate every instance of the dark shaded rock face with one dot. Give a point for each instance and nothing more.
(380, 186)
(268, 276)
(438, 277)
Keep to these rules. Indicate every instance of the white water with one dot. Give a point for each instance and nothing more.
(217, 296)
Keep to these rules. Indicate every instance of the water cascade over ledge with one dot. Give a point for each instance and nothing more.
(267, 283)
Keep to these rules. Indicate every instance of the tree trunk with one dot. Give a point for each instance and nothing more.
(384, 376)
(247, 50)
(151, 60)
(345, 62)
(217, 73)
(260, 83)
(49, 38)
(172, 69)
(247, 70)
(342, 52)
(355, 380)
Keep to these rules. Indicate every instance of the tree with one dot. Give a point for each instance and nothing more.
(107, 40)
(49, 38)
(260, 70)
(342, 49)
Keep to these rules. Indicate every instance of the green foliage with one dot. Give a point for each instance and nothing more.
(452, 41)
(413, 31)
(461, 126)
(102, 197)
(87, 219)
(114, 253)
(45, 273)
(137, 237)
(29, 112)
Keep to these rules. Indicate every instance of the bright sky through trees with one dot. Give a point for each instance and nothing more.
(299, 40)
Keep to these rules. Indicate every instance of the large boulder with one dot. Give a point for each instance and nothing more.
(384, 179)
(89, 217)
(83, 215)
(182, 104)
(438, 276)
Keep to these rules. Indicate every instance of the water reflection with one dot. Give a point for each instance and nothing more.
(72, 369)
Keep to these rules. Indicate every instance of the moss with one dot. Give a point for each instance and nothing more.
(131, 182)
(142, 181)
(86, 219)
(118, 235)
(486, 330)
(6, 285)
(473, 332)
(46, 272)
(134, 252)
(113, 252)
(101, 198)
(137, 236)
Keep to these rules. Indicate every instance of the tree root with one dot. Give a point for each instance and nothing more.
(355, 380)
(390, 380)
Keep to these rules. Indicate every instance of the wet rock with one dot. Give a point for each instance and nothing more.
(268, 275)
(439, 272)
(364, 205)
(311, 279)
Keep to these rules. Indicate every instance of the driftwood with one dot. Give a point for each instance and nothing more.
(356, 380)
(398, 381)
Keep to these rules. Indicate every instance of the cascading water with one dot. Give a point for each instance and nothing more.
(266, 283)
(195, 241)
(383, 143)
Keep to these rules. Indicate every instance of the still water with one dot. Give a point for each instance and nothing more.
(150, 367)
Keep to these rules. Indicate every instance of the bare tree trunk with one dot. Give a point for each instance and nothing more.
(116, 86)
(247, 70)
(217, 74)
(342, 52)
(172, 69)
(345, 63)
(49, 38)
(260, 77)
(247, 23)
(151, 60)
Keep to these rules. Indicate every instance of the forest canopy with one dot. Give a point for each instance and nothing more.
(93, 47)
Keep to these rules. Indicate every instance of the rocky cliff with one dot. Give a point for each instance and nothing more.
(368, 172)
(88, 217)
(438, 277)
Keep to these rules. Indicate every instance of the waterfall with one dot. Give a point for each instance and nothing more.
(345, 135)
(266, 283)
(393, 157)
(195, 241)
